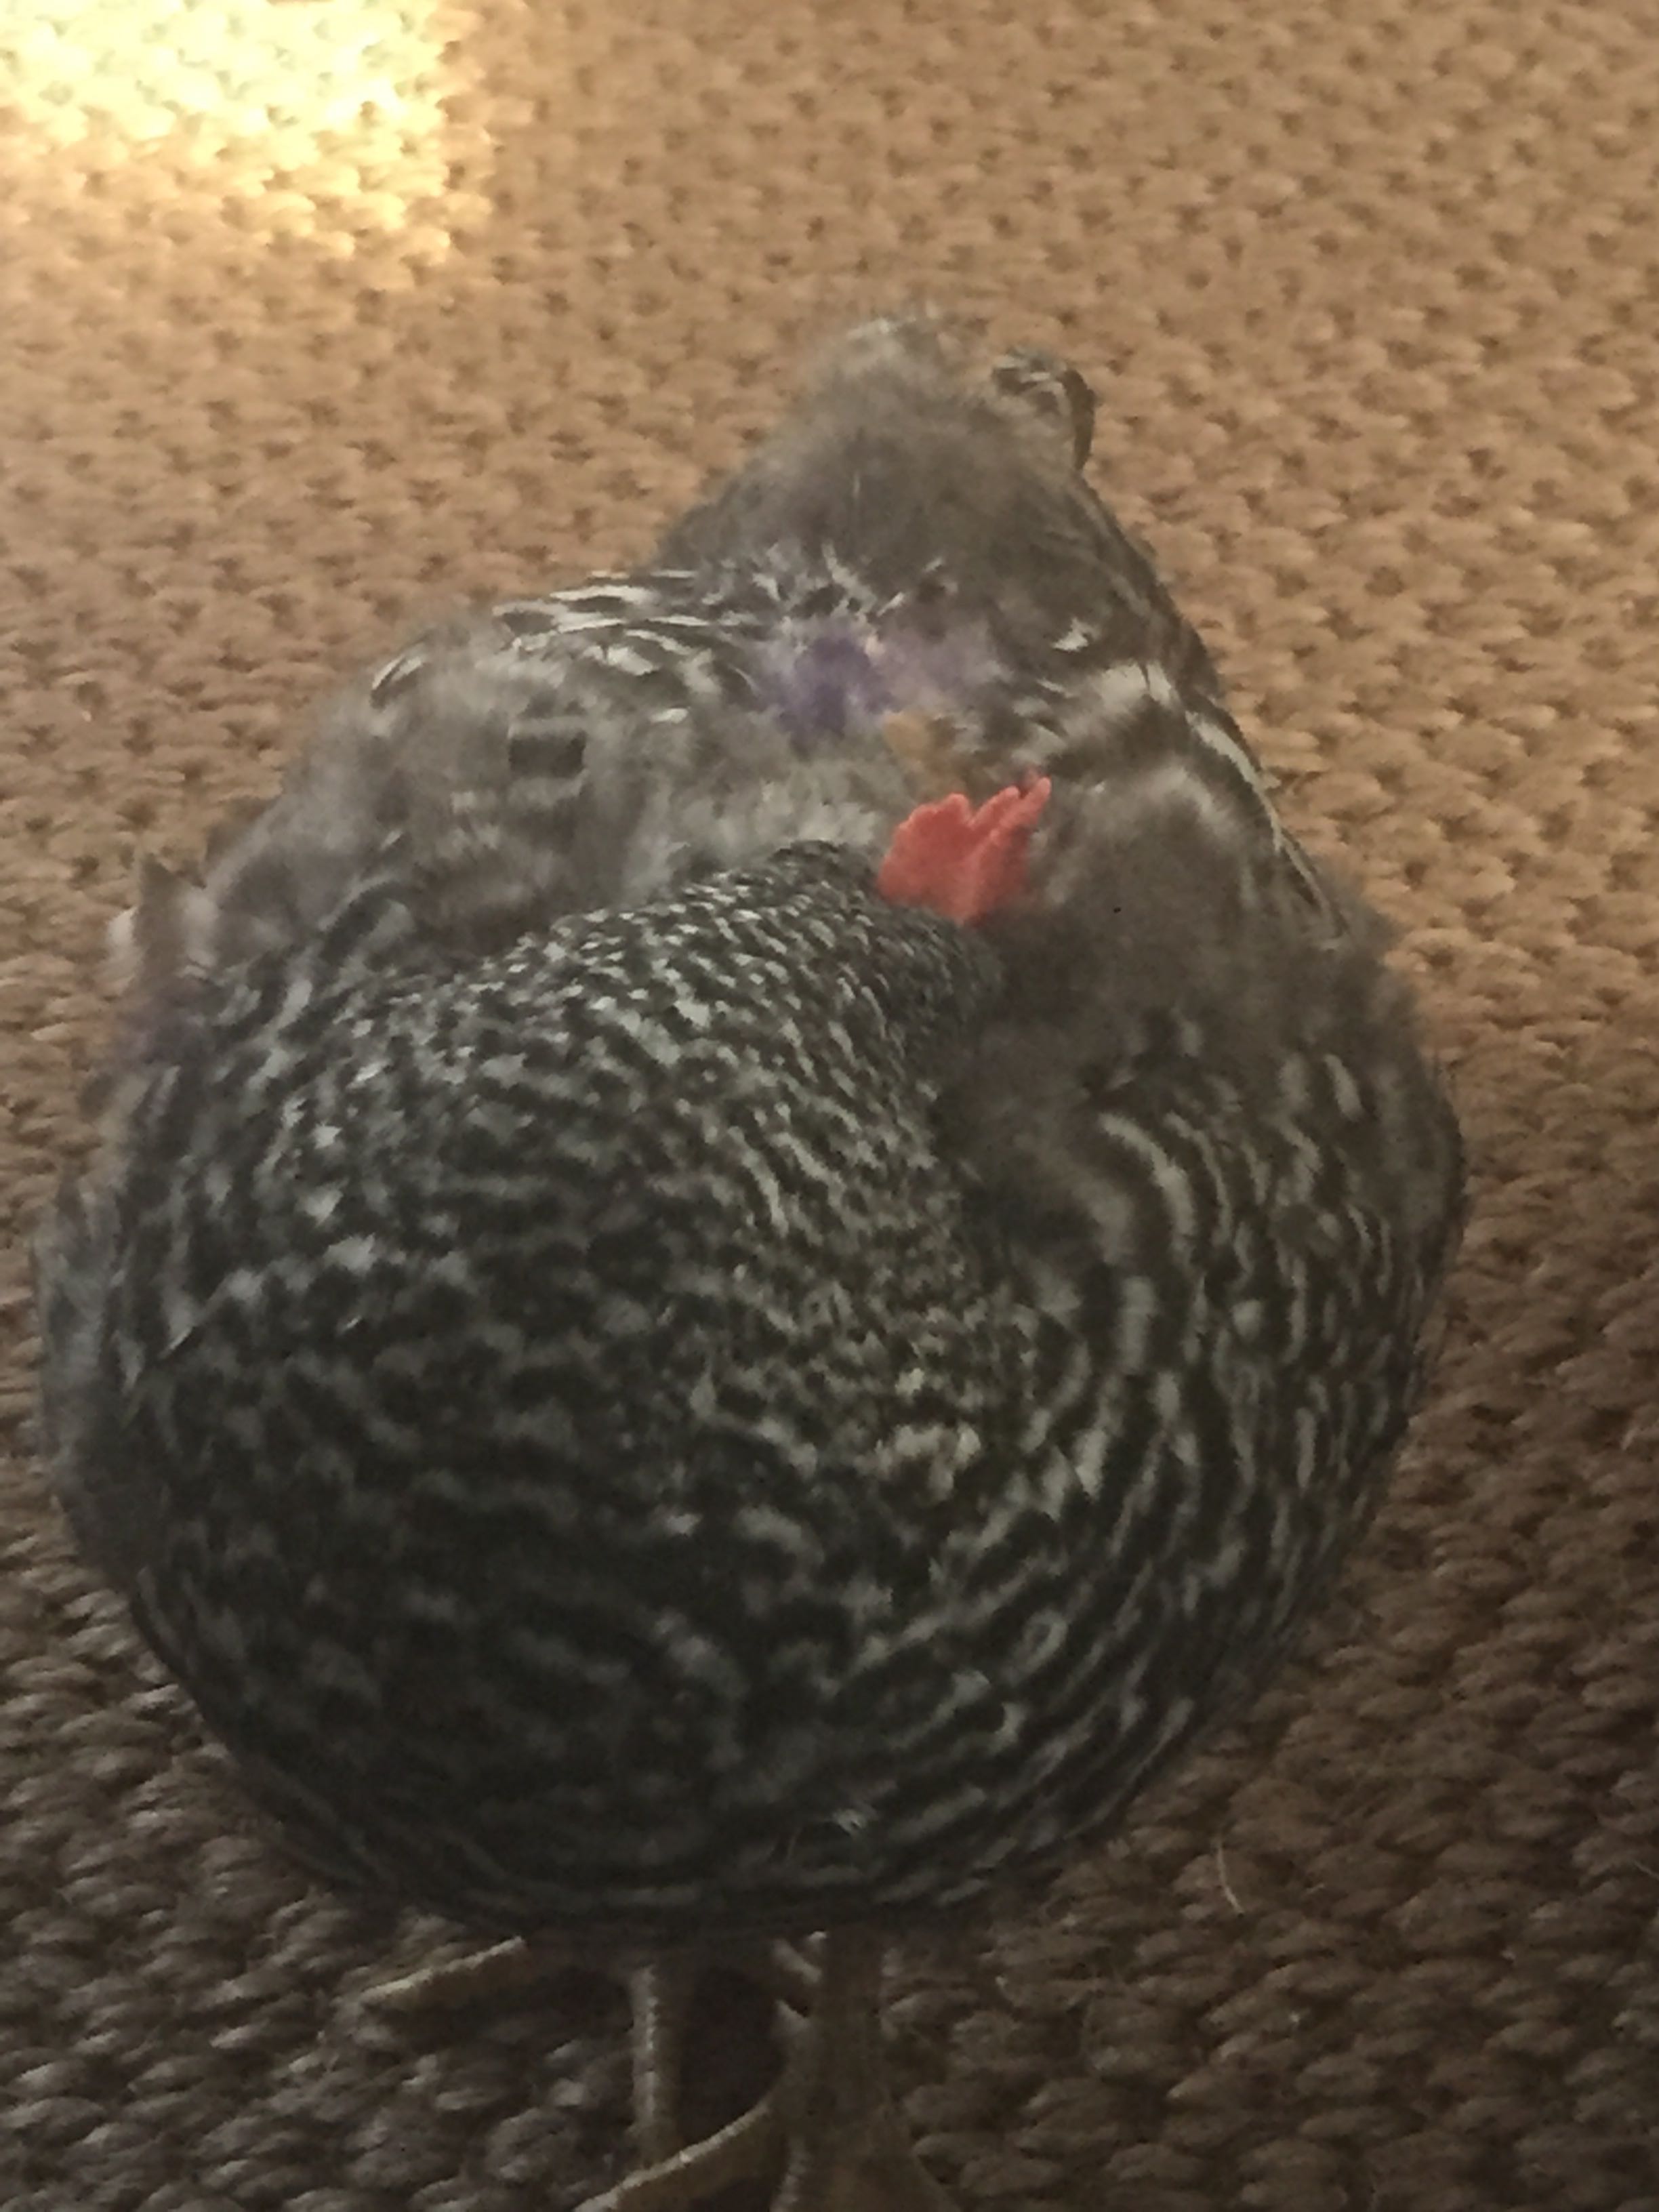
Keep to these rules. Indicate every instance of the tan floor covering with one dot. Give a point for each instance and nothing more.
(314, 318)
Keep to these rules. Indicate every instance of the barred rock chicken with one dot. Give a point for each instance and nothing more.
(761, 1241)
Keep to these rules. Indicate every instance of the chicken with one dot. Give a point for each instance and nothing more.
(761, 1240)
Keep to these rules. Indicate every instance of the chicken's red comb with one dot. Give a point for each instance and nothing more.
(963, 861)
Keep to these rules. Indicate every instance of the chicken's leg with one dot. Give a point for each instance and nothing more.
(849, 2150)
(847, 2146)
(830, 2114)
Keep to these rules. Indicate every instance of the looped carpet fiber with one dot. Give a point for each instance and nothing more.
(317, 317)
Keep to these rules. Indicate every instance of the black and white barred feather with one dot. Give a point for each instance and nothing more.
(641, 1385)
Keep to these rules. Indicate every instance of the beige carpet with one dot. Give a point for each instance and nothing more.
(316, 316)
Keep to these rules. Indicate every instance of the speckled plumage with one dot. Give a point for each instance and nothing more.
(640, 1386)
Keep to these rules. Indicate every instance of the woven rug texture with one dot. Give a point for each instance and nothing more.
(320, 316)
